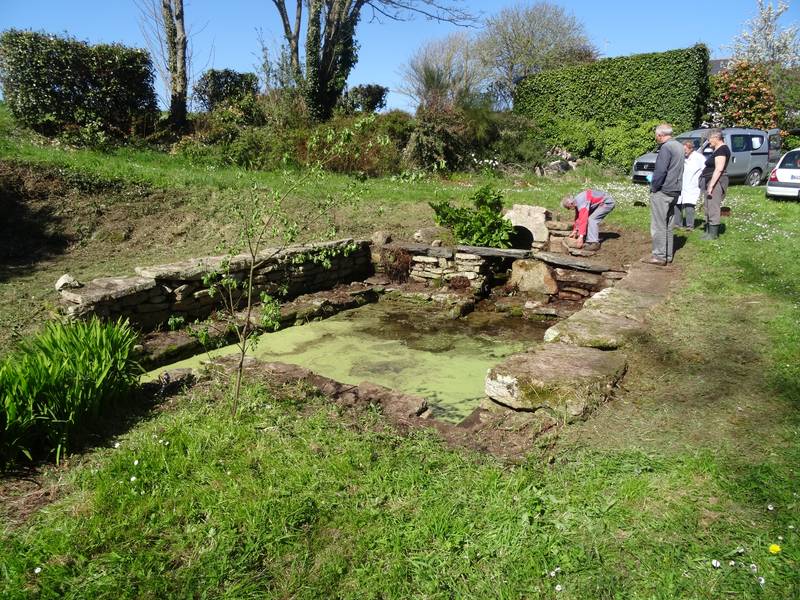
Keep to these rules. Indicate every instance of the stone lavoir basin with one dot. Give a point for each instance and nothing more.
(406, 345)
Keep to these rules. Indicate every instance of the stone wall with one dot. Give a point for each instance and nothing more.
(459, 264)
(561, 276)
(441, 264)
(154, 294)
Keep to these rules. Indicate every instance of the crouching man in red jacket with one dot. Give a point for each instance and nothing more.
(591, 207)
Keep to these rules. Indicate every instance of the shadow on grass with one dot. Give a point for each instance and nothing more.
(31, 229)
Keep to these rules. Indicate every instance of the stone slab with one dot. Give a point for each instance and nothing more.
(564, 380)
(623, 302)
(494, 252)
(532, 276)
(106, 289)
(189, 270)
(582, 277)
(594, 328)
(558, 225)
(571, 262)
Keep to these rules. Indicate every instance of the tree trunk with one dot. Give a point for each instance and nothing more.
(331, 53)
(331, 47)
(175, 34)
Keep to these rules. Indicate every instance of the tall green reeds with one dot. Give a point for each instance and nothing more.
(59, 382)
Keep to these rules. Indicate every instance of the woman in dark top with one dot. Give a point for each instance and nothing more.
(716, 182)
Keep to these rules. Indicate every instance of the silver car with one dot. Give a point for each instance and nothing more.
(784, 181)
(753, 153)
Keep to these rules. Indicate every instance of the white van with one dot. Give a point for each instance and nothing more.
(754, 152)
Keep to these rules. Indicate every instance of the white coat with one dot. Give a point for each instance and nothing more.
(692, 167)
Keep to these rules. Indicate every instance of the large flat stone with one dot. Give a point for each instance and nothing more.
(566, 381)
(494, 252)
(571, 262)
(621, 302)
(594, 328)
(645, 279)
(192, 270)
(532, 276)
(582, 277)
(106, 289)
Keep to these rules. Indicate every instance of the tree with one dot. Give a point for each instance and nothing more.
(742, 96)
(763, 42)
(444, 74)
(523, 40)
(368, 98)
(331, 48)
(216, 86)
(165, 33)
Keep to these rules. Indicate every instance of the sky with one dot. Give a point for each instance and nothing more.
(225, 33)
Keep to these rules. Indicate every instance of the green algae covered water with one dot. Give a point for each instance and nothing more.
(407, 346)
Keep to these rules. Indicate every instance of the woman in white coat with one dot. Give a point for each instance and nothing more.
(690, 191)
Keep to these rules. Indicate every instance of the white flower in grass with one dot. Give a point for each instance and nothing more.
(133, 478)
(135, 462)
(716, 564)
(732, 563)
(740, 550)
(116, 444)
(37, 570)
(753, 568)
(761, 581)
(770, 507)
(552, 573)
(559, 587)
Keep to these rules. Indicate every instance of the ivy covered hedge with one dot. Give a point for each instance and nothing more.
(607, 110)
(666, 86)
(59, 84)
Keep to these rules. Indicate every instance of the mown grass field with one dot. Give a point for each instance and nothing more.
(694, 461)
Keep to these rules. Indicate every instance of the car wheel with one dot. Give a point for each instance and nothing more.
(753, 177)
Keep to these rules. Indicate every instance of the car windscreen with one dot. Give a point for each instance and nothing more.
(791, 160)
(696, 141)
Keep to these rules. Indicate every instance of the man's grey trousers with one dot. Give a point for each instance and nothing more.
(662, 210)
(595, 216)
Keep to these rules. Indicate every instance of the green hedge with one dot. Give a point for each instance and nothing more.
(55, 84)
(608, 110)
(666, 86)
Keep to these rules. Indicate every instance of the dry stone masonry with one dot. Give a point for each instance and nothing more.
(154, 294)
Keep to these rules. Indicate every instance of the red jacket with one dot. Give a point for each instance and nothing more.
(585, 202)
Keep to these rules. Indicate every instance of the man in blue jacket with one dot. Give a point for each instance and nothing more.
(665, 188)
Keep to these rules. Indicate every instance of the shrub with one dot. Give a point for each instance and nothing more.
(368, 98)
(483, 225)
(54, 84)
(217, 86)
(440, 140)
(357, 145)
(518, 141)
(666, 86)
(60, 382)
(285, 108)
(265, 148)
(742, 96)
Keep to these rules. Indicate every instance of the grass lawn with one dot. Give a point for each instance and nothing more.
(694, 461)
